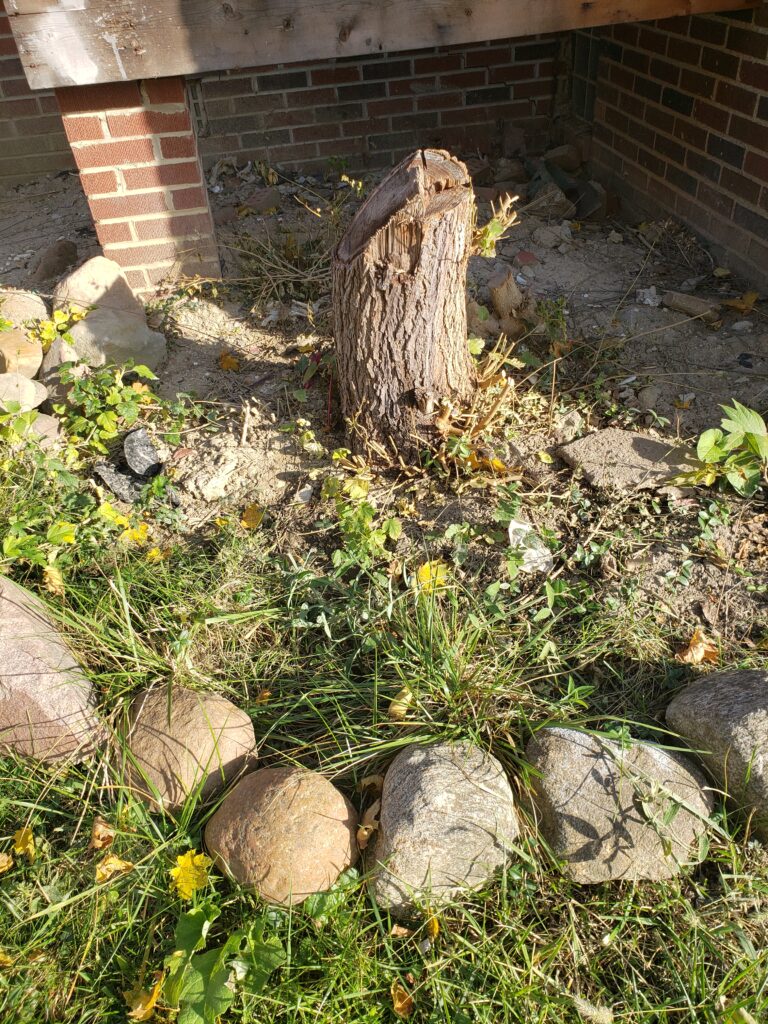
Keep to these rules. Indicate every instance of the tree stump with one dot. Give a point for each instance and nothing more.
(399, 304)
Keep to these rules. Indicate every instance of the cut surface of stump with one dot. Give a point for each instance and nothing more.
(399, 304)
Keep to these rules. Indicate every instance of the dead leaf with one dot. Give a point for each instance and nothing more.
(398, 709)
(432, 576)
(112, 867)
(744, 304)
(142, 1003)
(102, 834)
(53, 580)
(433, 927)
(24, 844)
(402, 1000)
(368, 825)
(6, 862)
(399, 931)
(5, 960)
(230, 362)
(373, 782)
(262, 697)
(252, 516)
(699, 649)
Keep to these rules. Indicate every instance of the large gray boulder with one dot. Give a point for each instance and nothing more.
(610, 811)
(19, 390)
(724, 718)
(113, 336)
(19, 353)
(284, 833)
(19, 307)
(185, 742)
(115, 330)
(447, 823)
(46, 702)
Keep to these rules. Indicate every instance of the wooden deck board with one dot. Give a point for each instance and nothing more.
(80, 42)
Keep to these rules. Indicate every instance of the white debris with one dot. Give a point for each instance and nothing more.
(535, 555)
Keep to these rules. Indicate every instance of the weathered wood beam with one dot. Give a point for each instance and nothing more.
(80, 42)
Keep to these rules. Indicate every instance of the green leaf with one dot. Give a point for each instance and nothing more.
(759, 445)
(321, 906)
(708, 449)
(475, 345)
(193, 927)
(208, 990)
(740, 418)
(144, 371)
(264, 955)
(744, 480)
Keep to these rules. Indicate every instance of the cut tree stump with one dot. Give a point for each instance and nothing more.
(399, 304)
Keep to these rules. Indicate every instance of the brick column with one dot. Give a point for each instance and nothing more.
(136, 151)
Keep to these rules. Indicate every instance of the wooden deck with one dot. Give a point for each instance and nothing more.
(80, 42)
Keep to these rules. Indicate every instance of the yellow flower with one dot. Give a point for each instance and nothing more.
(108, 512)
(6, 862)
(158, 554)
(135, 535)
(190, 873)
(24, 844)
(432, 576)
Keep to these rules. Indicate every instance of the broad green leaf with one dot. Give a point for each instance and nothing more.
(321, 906)
(740, 418)
(759, 445)
(264, 955)
(708, 449)
(144, 371)
(208, 988)
(193, 927)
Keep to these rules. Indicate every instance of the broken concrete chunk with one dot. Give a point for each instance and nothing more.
(53, 261)
(691, 305)
(567, 157)
(616, 459)
(124, 484)
(115, 336)
(141, 453)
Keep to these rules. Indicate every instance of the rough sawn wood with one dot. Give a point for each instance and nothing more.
(399, 303)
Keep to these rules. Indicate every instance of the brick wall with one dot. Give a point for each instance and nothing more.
(681, 126)
(32, 139)
(373, 110)
(136, 151)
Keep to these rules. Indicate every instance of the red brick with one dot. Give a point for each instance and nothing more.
(114, 154)
(528, 90)
(736, 98)
(114, 233)
(665, 72)
(740, 186)
(750, 132)
(15, 87)
(754, 74)
(5, 25)
(83, 129)
(98, 182)
(310, 97)
(697, 84)
(371, 126)
(656, 42)
(748, 42)
(756, 164)
(19, 108)
(411, 86)
(163, 174)
(712, 117)
(299, 151)
(440, 101)
(485, 58)
(137, 280)
(715, 199)
(123, 206)
(464, 79)
(189, 198)
(621, 77)
(313, 132)
(143, 255)
(229, 86)
(336, 75)
(691, 133)
(147, 122)
(48, 104)
(393, 106)
(173, 227)
(84, 99)
(659, 118)
(177, 146)
(442, 62)
(8, 46)
(164, 90)
(708, 30)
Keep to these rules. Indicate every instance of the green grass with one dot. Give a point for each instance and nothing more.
(229, 615)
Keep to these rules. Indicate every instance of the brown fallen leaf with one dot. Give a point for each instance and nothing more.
(744, 304)
(5, 960)
(228, 361)
(402, 1000)
(252, 516)
(699, 649)
(142, 1003)
(102, 834)
(368, 825)
(398, 708)
(399, 931)
(6, 862)
(111, 867)
(373, 782)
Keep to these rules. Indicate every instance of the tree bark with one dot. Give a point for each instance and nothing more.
(399, 304)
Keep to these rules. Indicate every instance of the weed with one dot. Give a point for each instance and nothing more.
(737, 453)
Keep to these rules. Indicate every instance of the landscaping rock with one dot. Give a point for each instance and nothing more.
(115, 336)
(19, 353)
(141, 453)
(447, 823)
(205, 743)
(616, 459)
(567, 157)
(284, 833)
(46, 429)
(46, 702)
(98, 282)
(60, 352)
(263, 200)
(124, 484)
(609, 811)
(53, 261)
(19, 306)
(16, 388)
(724, 718)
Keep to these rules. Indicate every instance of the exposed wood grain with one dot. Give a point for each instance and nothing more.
(79, 42)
